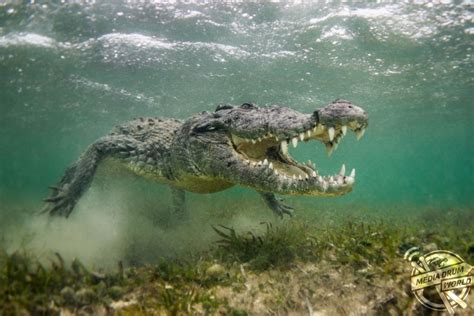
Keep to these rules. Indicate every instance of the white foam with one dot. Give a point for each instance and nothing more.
(337, 32)
(227, 49)
(279, 54)
(137, 40)
(363, 13)
(469, 31)
(188, 14)
(27, 39)
(416, 24)
(374, 13)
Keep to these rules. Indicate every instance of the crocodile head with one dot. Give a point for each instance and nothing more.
(248, 145)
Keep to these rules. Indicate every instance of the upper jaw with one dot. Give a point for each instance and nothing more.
(341, 112)
(331, 135)
(328, 125)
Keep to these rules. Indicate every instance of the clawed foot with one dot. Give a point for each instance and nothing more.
(59, 203)
(277, 205)
(279, 208)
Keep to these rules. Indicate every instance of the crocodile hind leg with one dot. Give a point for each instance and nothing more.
(179, 201)
(276, 205)
(78, 177)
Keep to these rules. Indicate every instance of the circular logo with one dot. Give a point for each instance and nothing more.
(440, 280)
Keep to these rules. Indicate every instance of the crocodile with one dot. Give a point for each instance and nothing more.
(244, 145)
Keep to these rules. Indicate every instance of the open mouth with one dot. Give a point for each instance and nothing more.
(271, 151)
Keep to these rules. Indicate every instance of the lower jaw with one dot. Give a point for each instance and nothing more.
(291, 179)
(288, 169)
(306, 186)
(311, 192)
(316, 192)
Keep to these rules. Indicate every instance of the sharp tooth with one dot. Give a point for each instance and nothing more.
(294, 141)
(270, 165)
(331, 133)
(294, 177)
(331, 178)
(253, 164)
(259, 163)
(353, 173)
(310, 163)
(284, 176)
(349, 180)
(343, 170)
(334, 147)
(360, 133)
(265, 162)
(301, 136)
(325, 186)
(344, 129)
(259, 139)
(318, 129)
(329, 149)
(253, 141)
(275, 172)
(308, 133)
(284, 147)
(300, 177)
(313, 174)
(276, 137)
(247, 161)
(320, 179)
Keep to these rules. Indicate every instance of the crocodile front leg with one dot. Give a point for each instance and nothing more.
(276, 205)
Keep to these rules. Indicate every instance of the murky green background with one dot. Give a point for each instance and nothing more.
(70, 72)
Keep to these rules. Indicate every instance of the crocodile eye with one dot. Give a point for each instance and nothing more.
(248, 106)
(223, 107)
(211, 126)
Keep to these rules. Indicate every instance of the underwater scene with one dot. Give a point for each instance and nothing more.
(236, 158)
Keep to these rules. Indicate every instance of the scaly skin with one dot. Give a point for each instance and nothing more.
(210, 152)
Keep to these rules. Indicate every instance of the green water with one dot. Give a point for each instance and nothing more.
(70, 72)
